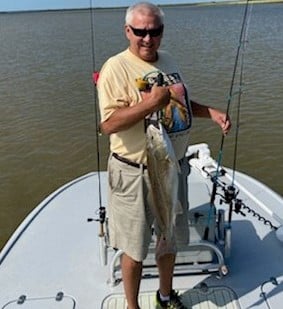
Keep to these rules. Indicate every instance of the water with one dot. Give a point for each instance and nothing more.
(47, 101)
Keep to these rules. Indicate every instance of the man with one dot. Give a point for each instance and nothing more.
(135, 86)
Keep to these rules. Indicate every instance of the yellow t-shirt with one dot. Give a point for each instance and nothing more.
(117, 87)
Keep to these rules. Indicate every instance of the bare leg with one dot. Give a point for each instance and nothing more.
(165, 266)
(131, 273)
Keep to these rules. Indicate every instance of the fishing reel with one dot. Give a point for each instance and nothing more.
(230, 197)
(143, 84)
(230, 194)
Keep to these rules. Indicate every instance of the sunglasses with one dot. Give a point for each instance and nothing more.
(144, 32)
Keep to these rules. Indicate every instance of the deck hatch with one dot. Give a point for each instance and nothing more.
(197, 298)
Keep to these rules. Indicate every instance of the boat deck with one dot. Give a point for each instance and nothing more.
(54, 259)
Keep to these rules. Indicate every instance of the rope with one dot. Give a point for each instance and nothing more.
(259, 217)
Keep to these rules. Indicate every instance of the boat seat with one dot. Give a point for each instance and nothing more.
(195, 251)
(198, 256)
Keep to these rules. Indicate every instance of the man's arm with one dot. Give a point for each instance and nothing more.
(214, 114)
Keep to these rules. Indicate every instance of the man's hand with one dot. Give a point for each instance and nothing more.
(158, 97)
(221, 119)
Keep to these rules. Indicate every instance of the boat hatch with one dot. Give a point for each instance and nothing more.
(196, 298)
(59, 301)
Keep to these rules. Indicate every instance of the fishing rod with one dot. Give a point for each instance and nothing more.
(231, 193)
(102, 210)
(243, 34)
(241, 83)
(96, 110)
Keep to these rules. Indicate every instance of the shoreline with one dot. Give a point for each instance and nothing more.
(204, 3)
(223, 2)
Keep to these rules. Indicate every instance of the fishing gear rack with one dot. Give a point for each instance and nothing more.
(226, 201)
(214, 230)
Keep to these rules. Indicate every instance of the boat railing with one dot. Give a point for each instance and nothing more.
(187, 262)
(24, 301)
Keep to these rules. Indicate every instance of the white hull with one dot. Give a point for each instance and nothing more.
(56, 250)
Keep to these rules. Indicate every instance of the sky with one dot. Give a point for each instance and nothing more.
(22, 5)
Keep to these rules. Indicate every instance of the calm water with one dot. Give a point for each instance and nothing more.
(47, 98)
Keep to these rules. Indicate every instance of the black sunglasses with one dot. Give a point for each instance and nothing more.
(144, 32)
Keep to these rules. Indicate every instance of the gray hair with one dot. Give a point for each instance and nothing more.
(143, 8)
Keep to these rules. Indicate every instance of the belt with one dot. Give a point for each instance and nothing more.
(125, 160)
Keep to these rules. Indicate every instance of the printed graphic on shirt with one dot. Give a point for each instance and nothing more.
(176, 116)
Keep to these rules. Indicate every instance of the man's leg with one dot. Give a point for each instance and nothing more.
(167, 297)
(131, 273)
(165, 266)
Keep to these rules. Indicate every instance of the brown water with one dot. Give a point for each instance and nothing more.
(47, 99)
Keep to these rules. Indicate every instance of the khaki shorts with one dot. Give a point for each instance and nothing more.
(129, 209)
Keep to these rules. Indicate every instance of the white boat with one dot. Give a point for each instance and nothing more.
(59, 257)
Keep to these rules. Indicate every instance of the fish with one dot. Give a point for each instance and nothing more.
(163, 169)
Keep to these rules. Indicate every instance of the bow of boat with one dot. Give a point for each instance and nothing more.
(56, 259)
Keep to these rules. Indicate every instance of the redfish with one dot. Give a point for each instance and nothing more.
(163, 169)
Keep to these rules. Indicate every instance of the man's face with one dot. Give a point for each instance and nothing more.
(142, 43)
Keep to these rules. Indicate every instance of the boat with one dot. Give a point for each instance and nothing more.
(59, 256)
